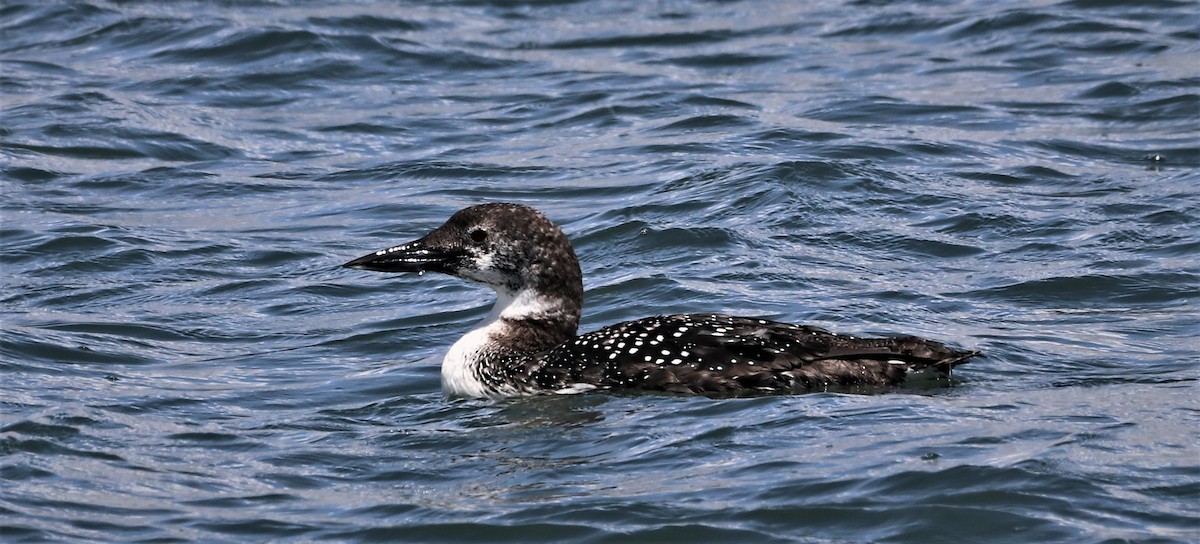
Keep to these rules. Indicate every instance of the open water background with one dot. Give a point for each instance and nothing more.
(183, 361)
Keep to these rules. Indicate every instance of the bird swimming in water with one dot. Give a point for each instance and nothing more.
(528, 344)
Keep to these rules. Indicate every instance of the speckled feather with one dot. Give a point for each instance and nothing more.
(715, 354)
(527, 345)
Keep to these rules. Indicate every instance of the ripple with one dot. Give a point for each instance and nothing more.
(184, 359)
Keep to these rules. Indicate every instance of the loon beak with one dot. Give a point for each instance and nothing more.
(410, 257)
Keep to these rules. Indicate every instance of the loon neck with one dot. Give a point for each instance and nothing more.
(485, 361)
(530, 321)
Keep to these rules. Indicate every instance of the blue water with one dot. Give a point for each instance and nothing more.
(183, 360)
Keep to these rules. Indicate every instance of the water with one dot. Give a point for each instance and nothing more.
(183, 360)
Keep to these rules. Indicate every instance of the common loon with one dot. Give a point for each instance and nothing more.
(528, 345)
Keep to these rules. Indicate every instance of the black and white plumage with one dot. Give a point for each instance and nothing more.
(528, 344)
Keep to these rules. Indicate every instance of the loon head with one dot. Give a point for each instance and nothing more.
(511, 248)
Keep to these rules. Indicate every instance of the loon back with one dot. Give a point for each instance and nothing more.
(717, 354)
(528, 343)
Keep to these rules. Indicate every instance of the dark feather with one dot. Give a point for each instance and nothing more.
(718, 354)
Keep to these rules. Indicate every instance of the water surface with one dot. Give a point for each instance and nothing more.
(183, 360)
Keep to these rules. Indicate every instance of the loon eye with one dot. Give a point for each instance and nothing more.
(478, 236)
